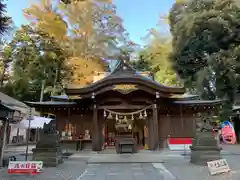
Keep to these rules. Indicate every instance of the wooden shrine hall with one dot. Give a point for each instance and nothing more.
(124, 108)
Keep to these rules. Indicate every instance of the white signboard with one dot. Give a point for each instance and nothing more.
(25, 167)
(30, 113)
(218, 166)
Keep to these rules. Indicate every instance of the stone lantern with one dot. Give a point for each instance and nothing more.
(6, 114)
(204, 147)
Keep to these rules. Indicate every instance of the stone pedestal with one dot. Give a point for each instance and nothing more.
(204, 148)
(48, 150)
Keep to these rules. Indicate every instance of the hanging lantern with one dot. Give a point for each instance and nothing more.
(116, 117)
(141, 116)
(132, 117)
(145, 113)
(129, 126)
(125, 119)
(104, 113)
(110, 116)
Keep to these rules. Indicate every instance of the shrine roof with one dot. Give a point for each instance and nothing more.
(185, 97)
(236, 108)
(50, 103)
(199, 102)
(124, 73)
(5, 107)
(63, 97)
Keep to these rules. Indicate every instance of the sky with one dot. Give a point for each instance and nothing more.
(138, 15)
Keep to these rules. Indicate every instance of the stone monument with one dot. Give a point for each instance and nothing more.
(48, 148)
(204, 146)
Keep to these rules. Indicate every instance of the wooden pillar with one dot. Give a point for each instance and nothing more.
(96, 141)
(150, 133)
(4, 127)
(67, 122)
(41, 112)
(36, 135)
(155, 126)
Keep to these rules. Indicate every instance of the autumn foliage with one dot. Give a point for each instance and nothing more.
(82, 71)
(88, 31)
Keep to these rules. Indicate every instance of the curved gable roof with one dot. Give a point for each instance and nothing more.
(122, 74)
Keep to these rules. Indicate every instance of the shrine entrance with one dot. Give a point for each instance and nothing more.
(126, 124)
(126, 105)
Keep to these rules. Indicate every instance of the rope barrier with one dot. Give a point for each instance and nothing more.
(129, 113)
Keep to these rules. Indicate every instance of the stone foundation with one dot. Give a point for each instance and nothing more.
(48, 150)
(204, 149)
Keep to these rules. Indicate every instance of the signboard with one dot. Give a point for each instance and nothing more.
(218, 166)
(30, 113)
(25, 167)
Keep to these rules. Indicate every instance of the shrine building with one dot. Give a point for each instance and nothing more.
(124, 105)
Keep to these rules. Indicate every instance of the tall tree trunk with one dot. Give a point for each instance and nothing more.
(43, 86)
(42, 90)
(2, 78)
(53, 93)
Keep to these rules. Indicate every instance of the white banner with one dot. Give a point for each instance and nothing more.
(25, 167)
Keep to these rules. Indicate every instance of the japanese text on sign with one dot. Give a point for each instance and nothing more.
(218, 166)
(25, 167)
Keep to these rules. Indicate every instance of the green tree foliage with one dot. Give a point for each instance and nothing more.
(141, 64)
(206, 46)
(89, 31)
(63, 44)
(4, 20)
(155, 58)
(37, 58)
(5, 62)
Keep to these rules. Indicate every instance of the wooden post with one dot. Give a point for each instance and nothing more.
(17, 135)
(181, 114)
(151, 137)
(96, 143)
(3, 139)
(35, 135)
(155, 122)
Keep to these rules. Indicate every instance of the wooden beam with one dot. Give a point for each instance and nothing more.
(126, 100)
(124, 107)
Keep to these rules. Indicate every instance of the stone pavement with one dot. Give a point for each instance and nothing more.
(144, 165)
(183, 170)
(141, 157)
(130, 171)
(174, 165)
(70, 170)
